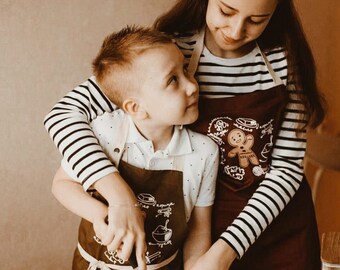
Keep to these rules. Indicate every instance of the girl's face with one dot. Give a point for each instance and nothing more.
(233, 24)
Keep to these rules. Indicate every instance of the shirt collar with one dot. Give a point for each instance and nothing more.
(179, 144)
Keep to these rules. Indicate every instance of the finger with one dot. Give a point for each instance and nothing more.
(140, 250)
(116, 243)
(108, 237)
(98, 240)
(100, 230)
(128, 243)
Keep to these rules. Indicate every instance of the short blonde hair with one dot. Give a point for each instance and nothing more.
(114, 60)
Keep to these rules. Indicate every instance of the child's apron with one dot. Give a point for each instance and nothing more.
(245, 127)
(160, 195)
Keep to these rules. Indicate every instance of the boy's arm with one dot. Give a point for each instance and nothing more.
(198, 240)
(73, 197)
(199, 237)
(127, 228)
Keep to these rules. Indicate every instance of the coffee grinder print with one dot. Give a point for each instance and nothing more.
(160, 234)
(237, 139)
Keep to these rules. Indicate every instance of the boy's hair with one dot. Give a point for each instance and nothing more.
(114, 60)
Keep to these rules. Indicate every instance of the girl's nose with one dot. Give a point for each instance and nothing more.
(237, 29)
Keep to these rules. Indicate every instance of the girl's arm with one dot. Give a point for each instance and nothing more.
(68, 126)
(280, 184)
(219, 256)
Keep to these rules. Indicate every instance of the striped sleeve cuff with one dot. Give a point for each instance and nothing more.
(94, 175)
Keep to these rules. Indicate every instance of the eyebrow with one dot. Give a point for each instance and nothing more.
(173, 68)
(259, 15)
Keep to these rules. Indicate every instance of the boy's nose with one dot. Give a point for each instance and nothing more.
(191, 87)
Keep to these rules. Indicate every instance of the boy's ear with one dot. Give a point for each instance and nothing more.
(132, 107)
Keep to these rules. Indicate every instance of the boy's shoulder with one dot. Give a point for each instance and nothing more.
(110, 126)
(108, 120)
(201, 142)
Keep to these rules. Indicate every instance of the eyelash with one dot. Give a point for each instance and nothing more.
(225, 14)
(186, 69)
(256, 23)
(250, 21)
(173, 79)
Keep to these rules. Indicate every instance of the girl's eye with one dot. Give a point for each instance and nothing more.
(227, 14)
(256, 22)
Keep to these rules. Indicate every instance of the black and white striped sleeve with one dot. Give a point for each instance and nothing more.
(280, 184)
(68, 126)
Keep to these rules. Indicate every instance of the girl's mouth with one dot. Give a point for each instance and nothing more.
(229, 40)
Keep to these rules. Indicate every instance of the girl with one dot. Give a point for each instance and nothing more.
(258, 94)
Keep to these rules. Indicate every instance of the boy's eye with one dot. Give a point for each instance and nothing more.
(186, 69)
(173, 79)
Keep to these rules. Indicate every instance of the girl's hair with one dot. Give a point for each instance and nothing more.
(284, 30)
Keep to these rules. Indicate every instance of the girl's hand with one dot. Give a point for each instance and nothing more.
(219, 257)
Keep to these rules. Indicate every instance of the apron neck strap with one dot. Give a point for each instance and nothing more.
(198, 48)
(196, 54)
(277, 80)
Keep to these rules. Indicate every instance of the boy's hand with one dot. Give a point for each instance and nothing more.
(126, 221)
(101, 229)
(126, 232)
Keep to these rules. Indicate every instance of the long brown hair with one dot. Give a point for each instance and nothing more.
(284, 30)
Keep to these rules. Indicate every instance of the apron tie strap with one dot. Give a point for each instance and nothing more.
(93, 262)
(94, 265)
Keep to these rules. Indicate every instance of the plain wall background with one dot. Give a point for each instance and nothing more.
(321, 21)
(46, 48)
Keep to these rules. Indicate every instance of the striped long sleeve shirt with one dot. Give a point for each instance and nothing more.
(68, 126)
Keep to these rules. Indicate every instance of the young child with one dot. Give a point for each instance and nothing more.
(171, 170)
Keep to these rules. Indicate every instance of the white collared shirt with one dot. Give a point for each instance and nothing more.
(194, 154)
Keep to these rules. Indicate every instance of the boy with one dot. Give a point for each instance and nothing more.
(171, 170)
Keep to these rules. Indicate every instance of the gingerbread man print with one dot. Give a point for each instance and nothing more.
(242, 144)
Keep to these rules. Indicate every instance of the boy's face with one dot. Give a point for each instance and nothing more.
(166, 92)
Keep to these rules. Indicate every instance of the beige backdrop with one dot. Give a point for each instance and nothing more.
(45, 50)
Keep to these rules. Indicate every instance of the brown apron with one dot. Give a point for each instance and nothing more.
(245, 128)
(160, 195)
